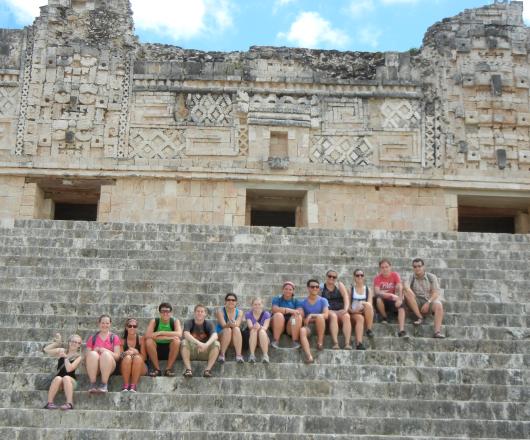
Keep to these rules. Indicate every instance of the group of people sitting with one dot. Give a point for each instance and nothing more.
(328, 306)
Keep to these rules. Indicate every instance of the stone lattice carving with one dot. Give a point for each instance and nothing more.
(124, 110)
(341, 150)
(21, 127)
(400, 113)
(242, 139)
(8, 101)
(210, 109)
(156, 143)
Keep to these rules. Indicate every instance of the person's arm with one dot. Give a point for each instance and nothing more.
(325, 312)
(150, 332)
(72, 366)
(266, 324)
(220, 318)
(276, 308)
(239, 319)
(370, 296)
(345, 296)
(117, 349)
(143, 350)
(213, 336)
(53, 348)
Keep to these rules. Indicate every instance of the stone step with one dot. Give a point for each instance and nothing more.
(296, 370)
(351, 357)
(494, 292)
(16, 433)
(147, 311)
(310, 387)
(486, 337)
(310, 424)
(293, 405)
(146, 299)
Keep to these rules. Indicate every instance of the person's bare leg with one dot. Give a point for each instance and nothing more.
(438, 310)
(174, 347)
(125, 368)
(55, 386)
(278, 324)
(237, 340)
(150, 346)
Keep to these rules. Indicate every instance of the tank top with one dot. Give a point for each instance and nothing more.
(163, 327)
(356, 297)
(61, 369)
(137, 344)
(335, 300)
(218, 327)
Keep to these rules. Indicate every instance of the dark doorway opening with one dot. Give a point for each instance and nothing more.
(498, 225)
(283, 219)
(76, 211)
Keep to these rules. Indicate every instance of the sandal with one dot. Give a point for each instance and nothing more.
(154, 373)
(309, 360)
(320, 346)
(169, 373)
(348, 347)
(67, 406)
(336, 346)
(207, 373)
(418, 321)
(402, 334)
(188, 373)
(438, 335)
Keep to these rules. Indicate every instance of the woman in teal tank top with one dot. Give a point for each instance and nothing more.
(228, 327)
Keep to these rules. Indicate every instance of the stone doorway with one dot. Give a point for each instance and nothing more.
(271, 207)
(508, 215)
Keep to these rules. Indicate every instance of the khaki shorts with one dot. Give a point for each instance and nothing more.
(422, 301)
(195, 354)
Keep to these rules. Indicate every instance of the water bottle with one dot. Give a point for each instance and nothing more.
(293, 321)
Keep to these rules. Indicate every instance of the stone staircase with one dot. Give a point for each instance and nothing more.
(59, 276)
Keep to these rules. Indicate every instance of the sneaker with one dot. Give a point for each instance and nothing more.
(103, 388)
(369, 333)
(360, 346)
(295, 345)
(50, 405)
(125, 387)
(275, 344)
(132, 388)
(252, 359)
(239, 359)
(93, 388)
(265, 359)
(221, 359)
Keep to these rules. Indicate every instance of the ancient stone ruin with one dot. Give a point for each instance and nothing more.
(96, 125)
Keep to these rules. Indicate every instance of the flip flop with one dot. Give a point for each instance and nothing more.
(188, 373)
(154, 373)
(207, 373)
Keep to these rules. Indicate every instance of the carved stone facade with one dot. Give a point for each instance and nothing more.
(81, 98)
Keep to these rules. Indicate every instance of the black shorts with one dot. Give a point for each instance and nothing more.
(390, 306)
(162, 352)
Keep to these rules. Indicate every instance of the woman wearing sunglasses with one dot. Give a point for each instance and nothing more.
(228, 328)
(68, 361)
(361, 310)
(133, 356)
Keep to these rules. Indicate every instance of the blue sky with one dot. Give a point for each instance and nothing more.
(365, 25)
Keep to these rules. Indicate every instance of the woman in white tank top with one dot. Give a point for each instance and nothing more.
(361, 310)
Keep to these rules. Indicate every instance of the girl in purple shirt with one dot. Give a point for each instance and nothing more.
(258, 321)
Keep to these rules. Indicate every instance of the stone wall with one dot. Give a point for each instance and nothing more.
(81, 97)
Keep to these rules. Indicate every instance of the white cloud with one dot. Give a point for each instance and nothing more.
(526, 11)
(280, 3)
(177, 19)
(311, 30)
(369, 36)
(182, 19)
(25, 10)
(356, 8)
(398, 2)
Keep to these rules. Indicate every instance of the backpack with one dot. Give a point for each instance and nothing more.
(171, 323)
(429, 276)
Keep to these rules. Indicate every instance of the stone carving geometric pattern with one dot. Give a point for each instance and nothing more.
(156, 143)
(210, 108)
(341, 150)
(242, 140)
(8, 101)
(124, 108)
(400, 113)
(28, 62)
(430, 142)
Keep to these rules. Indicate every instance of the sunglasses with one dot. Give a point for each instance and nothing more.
(360, 275)
(314, 287)
(332, 276)
(132, 326)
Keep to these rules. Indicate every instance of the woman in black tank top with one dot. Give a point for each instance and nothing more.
(337, 295)
(67, 361)
(133, 356)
